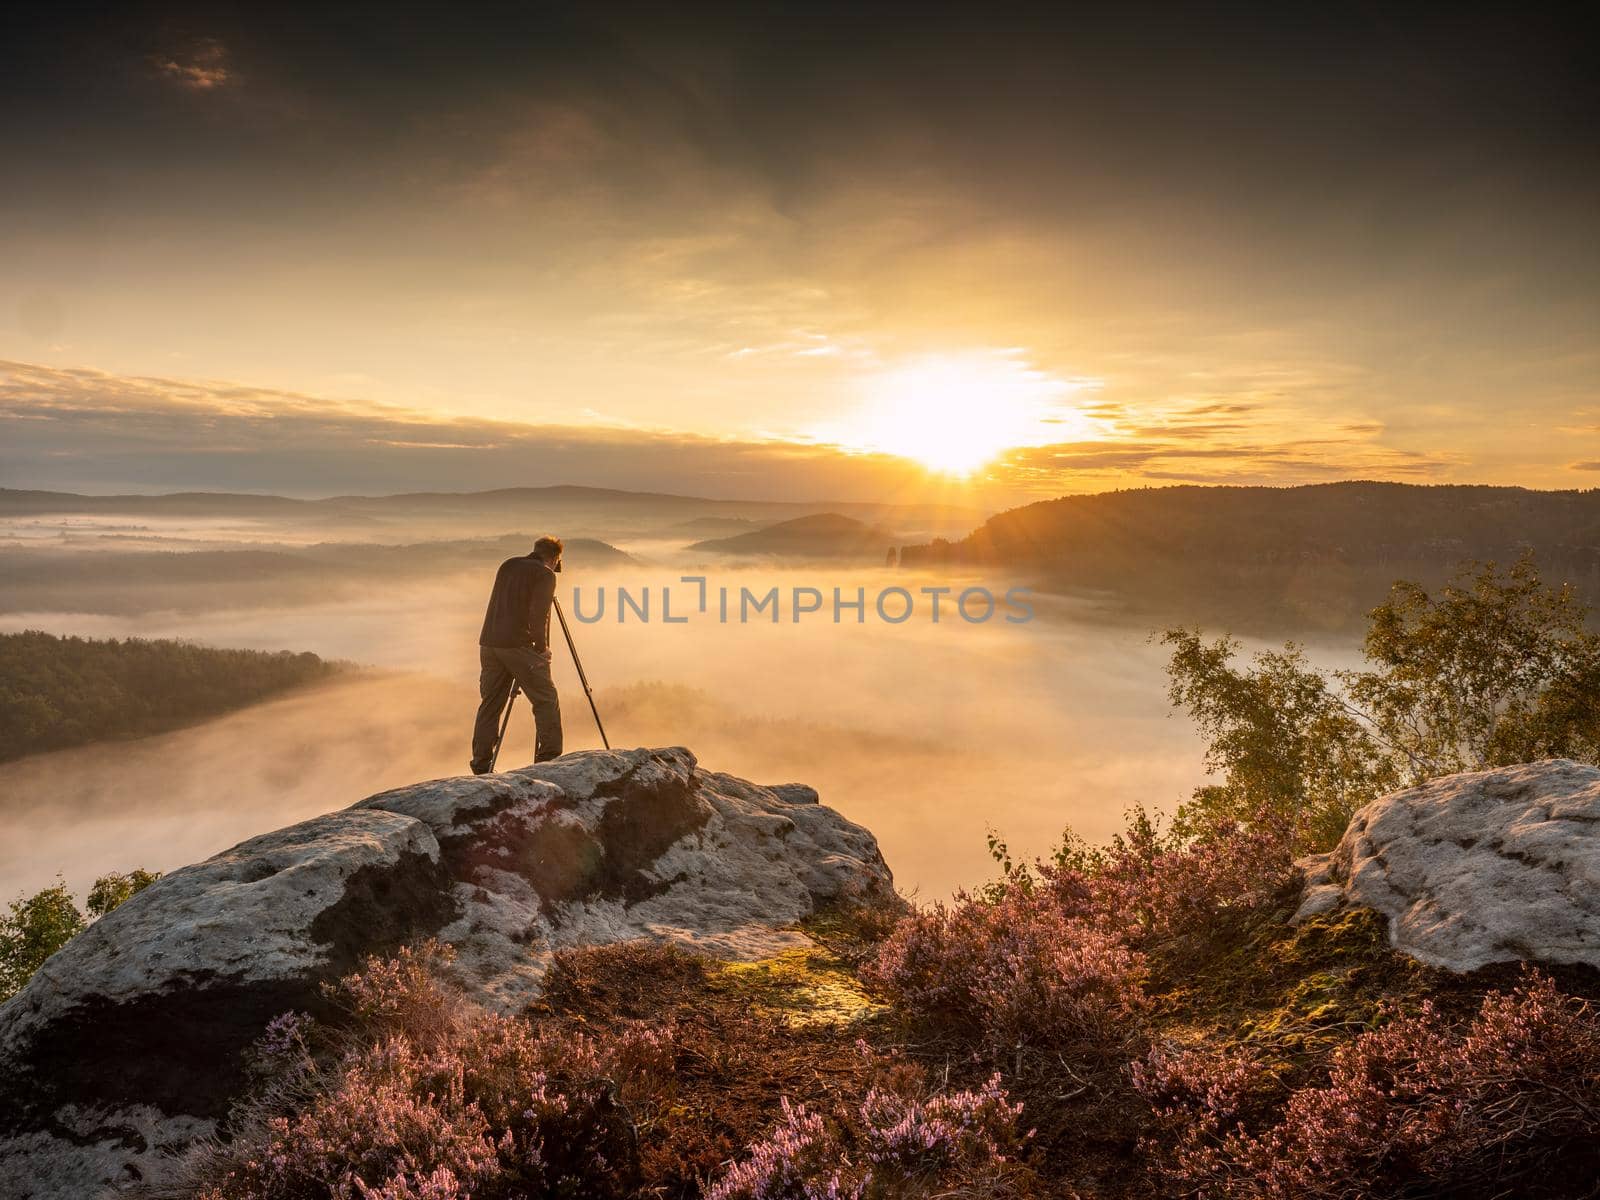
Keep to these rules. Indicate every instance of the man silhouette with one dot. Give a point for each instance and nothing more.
(515, 646)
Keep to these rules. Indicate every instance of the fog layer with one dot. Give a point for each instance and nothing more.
(931, 734)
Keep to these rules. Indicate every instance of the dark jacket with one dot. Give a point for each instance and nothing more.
(519, 606)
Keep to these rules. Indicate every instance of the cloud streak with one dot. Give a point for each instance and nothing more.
(201, 69)
(81, 429)
(75, 428)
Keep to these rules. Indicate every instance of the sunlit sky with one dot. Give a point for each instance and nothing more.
(795, 251)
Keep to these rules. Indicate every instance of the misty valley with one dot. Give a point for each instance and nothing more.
(933, 733)
(914, 727)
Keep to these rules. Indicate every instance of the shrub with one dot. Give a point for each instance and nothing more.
(1049, 964)
(799, 1160)
(891, 1145)
(1017, 972)
(39, 925)
(1152, 886)
(1280, 734)
(1493, 668)
(428, 1095)
(111, 891)
(1053, 958)
(33, 930)
(1507, 1106)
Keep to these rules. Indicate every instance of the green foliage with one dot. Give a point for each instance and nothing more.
(57, 692)
(1496, 668)
(39, 925)
(1014, 876)
(1280, 734)
(33, 930)
(111, 890)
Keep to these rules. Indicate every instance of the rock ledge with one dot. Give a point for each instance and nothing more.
(1477, 868)
(127, 1043)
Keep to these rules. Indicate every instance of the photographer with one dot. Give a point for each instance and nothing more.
(514, 647)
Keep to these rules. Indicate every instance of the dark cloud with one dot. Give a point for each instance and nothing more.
(1278, 113)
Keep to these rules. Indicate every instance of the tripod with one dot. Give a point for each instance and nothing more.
(511, 700)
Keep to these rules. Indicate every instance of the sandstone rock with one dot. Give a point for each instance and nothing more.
(1477, 868)
(127, 1043)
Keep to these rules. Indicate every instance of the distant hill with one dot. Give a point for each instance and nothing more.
(14, 502)
(1319, 554)
(110, 581)
(563, 509)
(446, 555)
(724, 525)
(824, 535)
(57, 692)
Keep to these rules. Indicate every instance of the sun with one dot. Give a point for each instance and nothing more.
(955, 413)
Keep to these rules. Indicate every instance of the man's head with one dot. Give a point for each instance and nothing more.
(548, 550)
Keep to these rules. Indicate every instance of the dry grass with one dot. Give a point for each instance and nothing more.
(748, 1035)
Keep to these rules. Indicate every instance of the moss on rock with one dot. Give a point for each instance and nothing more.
(803, 988)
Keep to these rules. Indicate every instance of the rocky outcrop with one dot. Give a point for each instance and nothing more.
(1478, 868)
(127, 1043)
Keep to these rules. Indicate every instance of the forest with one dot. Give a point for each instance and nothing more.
(1315, 558)
(57, 692)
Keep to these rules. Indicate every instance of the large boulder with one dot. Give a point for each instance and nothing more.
(128, 1043)
(1477, 868)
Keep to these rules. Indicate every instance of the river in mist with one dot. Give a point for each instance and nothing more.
(929, 734)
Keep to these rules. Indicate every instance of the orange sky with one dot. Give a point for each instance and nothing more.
(1054, 260)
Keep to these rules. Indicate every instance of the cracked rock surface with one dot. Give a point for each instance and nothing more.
(1477, 868)
(127, 1043)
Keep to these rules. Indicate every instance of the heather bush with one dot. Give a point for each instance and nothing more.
(1053, 957)
(423, 1094)
(963, 1132)
(891, 1145)
(799, 1160)
(1202, 1096)
(1509, 1105)
(1152, 886)
(1015, 973)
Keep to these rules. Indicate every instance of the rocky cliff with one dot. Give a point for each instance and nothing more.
(127, 1044)
(1477, 868)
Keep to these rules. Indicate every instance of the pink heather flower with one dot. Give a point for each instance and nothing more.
(894, 1142)
(1018, 971)
(1503, 1107)
(434, 1098)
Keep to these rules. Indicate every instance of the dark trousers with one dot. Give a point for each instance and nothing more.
(499, 666)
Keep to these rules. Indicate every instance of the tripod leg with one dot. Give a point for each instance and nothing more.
(582, 678)
(505, 721)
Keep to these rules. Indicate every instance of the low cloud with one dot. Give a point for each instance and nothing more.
(1236, 460)
(202, 68)
(81, 429)
(84, 429)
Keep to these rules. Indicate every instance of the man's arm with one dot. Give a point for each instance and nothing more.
(544, 593)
